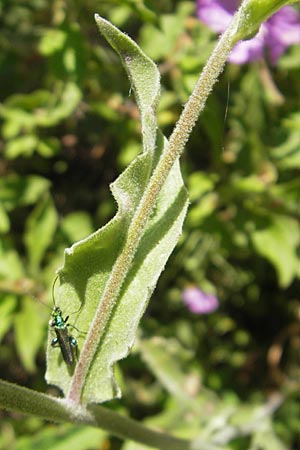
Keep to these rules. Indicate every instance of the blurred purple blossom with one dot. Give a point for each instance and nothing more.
(198, 301)
(275, 35)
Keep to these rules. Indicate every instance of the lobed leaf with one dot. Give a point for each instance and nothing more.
(89, 262)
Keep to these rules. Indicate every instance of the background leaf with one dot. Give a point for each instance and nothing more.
(278, 242)
(40, 228)
(18, 190)
(64, 438)
(29, 334)
(168, 366)
(7, 308)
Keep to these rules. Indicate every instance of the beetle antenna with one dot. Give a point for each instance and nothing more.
(53, 298)
(35, 297)
(75, 328)
(53, 286)
(77, 311)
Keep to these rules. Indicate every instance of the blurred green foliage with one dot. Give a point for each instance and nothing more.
(69, 126)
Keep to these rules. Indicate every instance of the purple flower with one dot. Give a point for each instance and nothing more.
(275, 35)
(198, 302)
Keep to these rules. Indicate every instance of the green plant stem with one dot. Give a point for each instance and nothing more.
(174, 149)
(17, 398)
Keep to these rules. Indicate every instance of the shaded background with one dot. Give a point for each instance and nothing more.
(69, 126)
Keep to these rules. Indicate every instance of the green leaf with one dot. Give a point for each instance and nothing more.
(247, 185)
(287, 154)
(48, 147)
(169, 366)
(40, 228)
(266, 438)
(77, 225)
(63, 438)
(202, 209)
(67, 100)
(20, 111)
(202, 197)
(17, 190)
(21, 146)
(278, 242)
(287, 194)
(4, 221)
(11, 267)
(23, 113)
(253, 13)
(29, 332)
(88, 263)
(52, 41)
(159, 41)
(199, 184)
(143, 75)
(8, 304)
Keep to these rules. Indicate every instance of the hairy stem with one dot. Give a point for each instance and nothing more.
(174, 149)
(27, 401)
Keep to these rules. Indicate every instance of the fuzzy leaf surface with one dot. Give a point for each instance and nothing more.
(88, 263)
